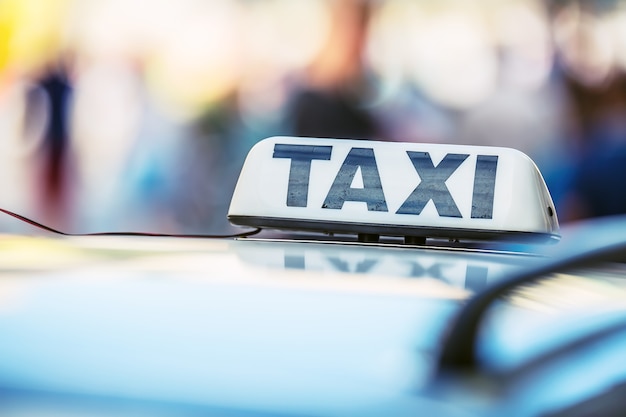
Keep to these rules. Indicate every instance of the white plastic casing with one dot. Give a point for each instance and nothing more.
(514, 198)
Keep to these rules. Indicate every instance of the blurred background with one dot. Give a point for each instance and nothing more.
(136, 115)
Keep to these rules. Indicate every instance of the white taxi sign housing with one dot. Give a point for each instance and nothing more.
(394, 189)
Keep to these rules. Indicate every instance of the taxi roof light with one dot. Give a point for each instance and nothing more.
(413, 190)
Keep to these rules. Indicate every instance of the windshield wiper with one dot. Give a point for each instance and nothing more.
(591, 242)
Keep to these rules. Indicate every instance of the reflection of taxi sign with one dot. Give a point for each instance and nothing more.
(394, 189)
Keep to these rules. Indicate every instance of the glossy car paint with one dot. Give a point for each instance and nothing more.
(259, 326)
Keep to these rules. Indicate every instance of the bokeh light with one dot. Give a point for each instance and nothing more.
(152, 82)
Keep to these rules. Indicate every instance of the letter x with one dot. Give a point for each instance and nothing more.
(433, 184)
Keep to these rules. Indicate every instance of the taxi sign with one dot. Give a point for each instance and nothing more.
(393, 189)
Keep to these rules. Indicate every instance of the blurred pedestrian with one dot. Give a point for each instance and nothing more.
(329, 101)
(54, 88)
(598, 187)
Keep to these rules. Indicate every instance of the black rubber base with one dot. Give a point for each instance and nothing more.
(408, 232)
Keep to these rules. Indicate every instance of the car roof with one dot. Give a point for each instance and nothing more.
(276, 326)
(267, 325)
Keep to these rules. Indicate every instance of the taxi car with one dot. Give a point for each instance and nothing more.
(388, 279)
